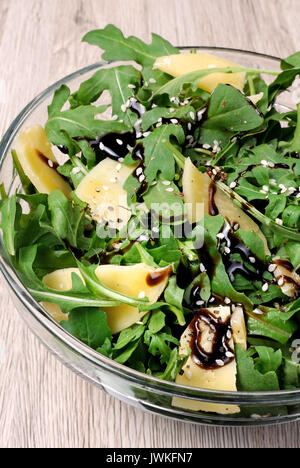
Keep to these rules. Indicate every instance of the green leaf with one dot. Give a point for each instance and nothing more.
(130, 334)
(272, 324)
(174, 365)
(65, 217)
(230, 110)
(269, 360)
(249, 378)
(157, 321)
(8, 209)
(89, 326)
(117, 47)
(116, 80)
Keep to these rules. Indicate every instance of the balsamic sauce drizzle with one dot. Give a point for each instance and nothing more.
(221, 332)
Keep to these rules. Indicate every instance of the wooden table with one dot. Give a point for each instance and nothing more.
(42, 404)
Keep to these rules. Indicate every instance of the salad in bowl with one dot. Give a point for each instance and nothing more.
(158, 217)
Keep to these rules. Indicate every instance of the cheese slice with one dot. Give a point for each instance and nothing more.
(220, 378)
(102, 189)
(138, 281)
(180, 64)
(196, 189)
(34, 151)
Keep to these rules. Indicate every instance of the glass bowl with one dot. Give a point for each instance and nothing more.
(149, 393)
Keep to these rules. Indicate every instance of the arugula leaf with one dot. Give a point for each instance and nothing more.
(249, 378)
(157, 321)
(117, 47)
(118, 81)
(231, 111)
(269, 360)
(272, 324)
(65, 217)
(8, 208)
(89, 326)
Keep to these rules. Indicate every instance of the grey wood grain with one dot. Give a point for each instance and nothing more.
(42, 404)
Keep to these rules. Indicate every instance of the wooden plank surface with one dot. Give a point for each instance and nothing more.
(42, 404)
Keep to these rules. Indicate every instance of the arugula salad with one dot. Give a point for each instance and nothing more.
(163, 229)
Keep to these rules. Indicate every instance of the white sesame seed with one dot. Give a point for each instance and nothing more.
(170, 189)
(263, 192)
(271, 164)
(258, 312)
(281, 281)
(139, 323)
(266, 188)
(139, 171)
(229, 334)
(264, 163)
(139, 135)
(166, 182)
(76, 170)
(229, 354)
(120, 142)
(265, 287)
(129, 148)
(199, 303)
(189, 126)
(114, 117)
(227, 300)
(119, 167)
(174, 121)
(153, 183)
(219, 362)
(131, 86)
(146, 134)
(142, 178)
(227, 250)
(192, 115)
(206, 146)
(123, 108)
(202, 268)
(221, 235)
(101, 146)
(236, 227)
(272, 268)
(252, 259)
(200, 114)
(279, 221)
(159, 124)
(121, 160)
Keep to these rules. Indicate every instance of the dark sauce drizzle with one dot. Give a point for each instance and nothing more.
(220, 334)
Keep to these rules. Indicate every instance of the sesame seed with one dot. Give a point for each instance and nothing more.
(170, 189)
(142, 178)
(76, 170)
(131, 86)
(200, 114)
(139, 135)
(166, 182)
(279, 221)
(123, 108)
(153, 183)
(281, 281)
(236, 227)
(129, 148)
(189, 126)
(264, 163)
(258, 312)
(139, 171)
(139, 323)
(202, 268)
(192, 115)
(229, 334)
(120, 142)
(227, 250)
(266, 188)
(272, 268)
(146, 134)
(221, 235)
(101, 146)
(206, 146)
(119, 167)
(229, 354)
(114, 117)
(199, 303)
(174, 121)
(121, 160)
(265, 287)
(271, 164)
(252, 259)
(219, 362)
(227, 300)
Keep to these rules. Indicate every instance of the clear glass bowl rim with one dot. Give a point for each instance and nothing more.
(269, 398)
